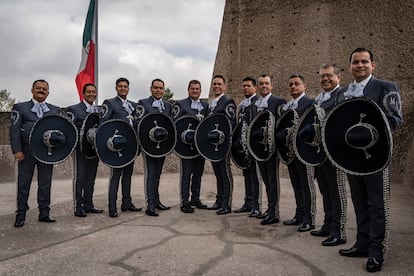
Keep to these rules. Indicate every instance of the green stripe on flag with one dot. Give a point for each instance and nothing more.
(87, 32)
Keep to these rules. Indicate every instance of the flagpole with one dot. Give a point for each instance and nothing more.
(96, 52)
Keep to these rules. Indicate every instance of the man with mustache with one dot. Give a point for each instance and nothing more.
(23, 116)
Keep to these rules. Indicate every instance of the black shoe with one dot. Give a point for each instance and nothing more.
(131, 208)
(293, 221)
(162, 207)
(198, 204)
(243, 209)
(80, 213)
(151, 213)
(47, 219)
(186, 208)
(269, 220)
(215, 206)
(223, 211)
(319, 233)
(94, 210)
(19, 223)
(353, 252)
(333, 241)
(306, 227)
(374, 265)
(254, 213)
(263, 215)
(113, 214)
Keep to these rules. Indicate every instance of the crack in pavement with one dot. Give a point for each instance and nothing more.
(210, 264)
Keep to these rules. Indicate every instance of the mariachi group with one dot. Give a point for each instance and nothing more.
(343, 132)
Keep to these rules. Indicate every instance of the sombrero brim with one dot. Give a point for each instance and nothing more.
(112, 158)
(182, 148)
(57, 154)
(308, 153)
(239, 152)
(204, 146)
(149, 122)
(261, 147)
(340, 153)
(87, 148)
(284, 134)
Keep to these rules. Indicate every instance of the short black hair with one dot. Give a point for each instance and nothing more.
(193, 82)
(86, 85)
(220, 77)
(39, 80)
(362, 49)
(121, 80)
(297, 76)
(160, 80)
(253, 80)
(264, 76)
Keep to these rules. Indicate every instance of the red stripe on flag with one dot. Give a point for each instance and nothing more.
(87, 75)
(86, 72)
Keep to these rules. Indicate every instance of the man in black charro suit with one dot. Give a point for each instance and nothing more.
(120, 107)
(251, 181)
(301, 175)
(23, 116)
(191, 169)
(370, 193)
(85, 169)
(330, 179)
(153, 165)
(269, 169)
(222, 105)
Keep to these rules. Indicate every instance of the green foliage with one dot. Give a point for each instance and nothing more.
(168, 95)
(6, 102)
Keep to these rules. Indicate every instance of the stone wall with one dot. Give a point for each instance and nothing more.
(284, 37)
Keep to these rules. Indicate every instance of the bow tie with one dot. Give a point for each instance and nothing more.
(92, 108)
(159, 105)
(127, 106)
(197, 105)
(261, 104)
(39, 109)
(323, 97)
(213, 104)
(245, 103)
(290, 105)
(354, 90)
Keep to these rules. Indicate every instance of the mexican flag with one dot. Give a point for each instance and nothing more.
(86, 72)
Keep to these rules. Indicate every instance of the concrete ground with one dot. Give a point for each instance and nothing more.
(175, 243)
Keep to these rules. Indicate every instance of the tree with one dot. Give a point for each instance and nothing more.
(6, 102)
(168, 95)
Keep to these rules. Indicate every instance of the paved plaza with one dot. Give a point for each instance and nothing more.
(175, 243)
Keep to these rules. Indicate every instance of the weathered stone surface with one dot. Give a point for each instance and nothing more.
(284, 37)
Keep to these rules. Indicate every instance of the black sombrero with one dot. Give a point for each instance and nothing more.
(307, 137)
(283, 135)
(213, 137)
(87, 136)
(260, 136)
(239, 150)
(185, 144)
(156, 134)
(116, 143)
(357, 137)
(52, 139)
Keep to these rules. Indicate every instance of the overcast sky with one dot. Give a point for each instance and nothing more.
(175, 40)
